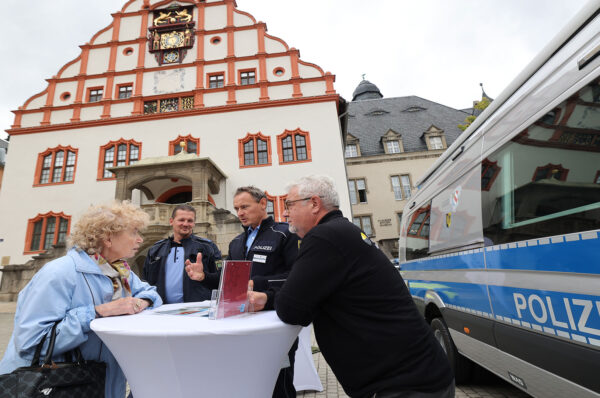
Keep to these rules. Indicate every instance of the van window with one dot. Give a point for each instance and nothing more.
(543, 182)
(417, 233)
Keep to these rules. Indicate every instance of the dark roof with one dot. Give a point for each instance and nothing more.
(369, 120)
(366, 90)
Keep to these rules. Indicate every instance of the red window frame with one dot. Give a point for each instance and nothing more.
(53, 152)
(89, 93)
(188, 138)
(241, 79)
(563, 172)
(485, 166)
(44, 218)
(597, 178)
(115, 145)
(427, 217)
(210, 75)
(293, 134)
(124, 85)
(254, 138)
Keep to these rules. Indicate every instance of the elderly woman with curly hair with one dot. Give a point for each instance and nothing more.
(92, 280)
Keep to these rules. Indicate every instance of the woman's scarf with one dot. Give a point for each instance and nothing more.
(118, 272)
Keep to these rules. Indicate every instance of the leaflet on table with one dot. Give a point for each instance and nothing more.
(232, 296)
(184, 310)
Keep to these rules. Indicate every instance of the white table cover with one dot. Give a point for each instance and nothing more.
(305, 374)
(188, 356)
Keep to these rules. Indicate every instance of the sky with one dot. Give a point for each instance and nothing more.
(435, 49)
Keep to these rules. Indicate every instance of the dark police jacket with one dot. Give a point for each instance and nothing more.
(272, 254)
(154, 267)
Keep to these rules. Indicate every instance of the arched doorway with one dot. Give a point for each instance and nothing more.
(182, 194)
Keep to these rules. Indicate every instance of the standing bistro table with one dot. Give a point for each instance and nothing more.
(190, 356)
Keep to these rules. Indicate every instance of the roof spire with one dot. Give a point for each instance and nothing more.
(366, 90)
(483, 94)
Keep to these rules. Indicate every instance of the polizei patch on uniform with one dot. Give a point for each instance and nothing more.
(263, 248)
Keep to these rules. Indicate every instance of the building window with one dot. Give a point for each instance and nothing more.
(293, 146)
(254, 150)
(436, 143)
(392, 146)
(216, 80)
(247, 77)
(401, 187)
(364, 223)
(419, 227)
(550, 171)
(275, 206)
(191, 144)
(46, 230)
(358, 191)
(125, 91)
(489, 172)
(95, 94)
(351, 151)
(56, 166)
(417, 234)
(117, 153)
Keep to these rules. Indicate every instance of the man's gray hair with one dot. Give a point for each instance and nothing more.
(318, 185)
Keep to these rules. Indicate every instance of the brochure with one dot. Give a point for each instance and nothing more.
(232, 298)
(184, 310)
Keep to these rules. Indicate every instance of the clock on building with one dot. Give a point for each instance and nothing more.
(170, 57)
(171, 40)
(172, 34)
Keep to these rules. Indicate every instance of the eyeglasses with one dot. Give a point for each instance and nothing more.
(287, 203)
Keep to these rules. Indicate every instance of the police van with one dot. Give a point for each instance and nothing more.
(500, 245)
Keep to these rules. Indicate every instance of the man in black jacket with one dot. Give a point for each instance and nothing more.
(272, 249)
(365, 321)
(167, 258)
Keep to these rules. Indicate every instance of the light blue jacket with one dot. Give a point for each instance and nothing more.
(59, 292)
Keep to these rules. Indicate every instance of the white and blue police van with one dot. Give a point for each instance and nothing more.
(500, 245)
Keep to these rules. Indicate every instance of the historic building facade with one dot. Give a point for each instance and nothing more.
(174, 101)
(390, 144)
(3, 149)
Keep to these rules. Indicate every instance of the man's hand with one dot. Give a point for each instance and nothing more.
(195, 270)
(257, 301)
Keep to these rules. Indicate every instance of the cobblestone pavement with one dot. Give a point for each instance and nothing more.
(489, 387)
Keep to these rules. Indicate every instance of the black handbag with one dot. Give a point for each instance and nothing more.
(75, 377)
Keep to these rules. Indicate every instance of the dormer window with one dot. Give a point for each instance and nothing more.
(377, 112)
(434, 138)
(392, 142)
(352, 147)
(351, 151)
(436, 143)
(414, 109)
(392, 146)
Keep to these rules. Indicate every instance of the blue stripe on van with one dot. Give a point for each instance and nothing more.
(569, 253)
(571, 316)
(461, 260)
(576, 253)
(469, 295)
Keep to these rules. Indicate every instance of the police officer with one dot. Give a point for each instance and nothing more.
(167, 258)
(272, 248)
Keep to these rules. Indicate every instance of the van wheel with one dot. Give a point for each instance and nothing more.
(461, 366)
